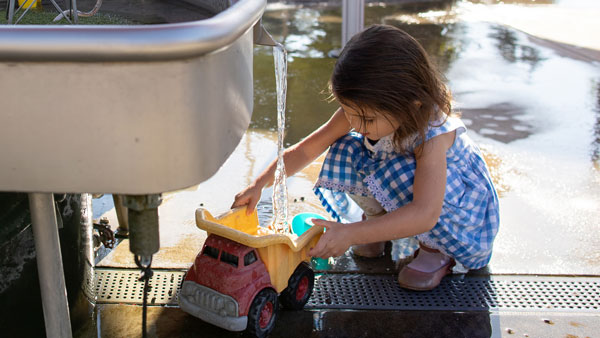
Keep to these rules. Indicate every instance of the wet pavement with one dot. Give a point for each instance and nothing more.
(527, 82)
(172, 322)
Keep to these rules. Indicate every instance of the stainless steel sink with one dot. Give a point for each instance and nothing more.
(128, 110)
(125, 109)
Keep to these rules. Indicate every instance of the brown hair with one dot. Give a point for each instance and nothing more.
(386, 70)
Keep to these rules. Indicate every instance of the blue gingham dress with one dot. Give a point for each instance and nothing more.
(469, 219)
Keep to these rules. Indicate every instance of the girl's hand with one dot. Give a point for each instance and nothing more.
(334, 242)
(249, 197)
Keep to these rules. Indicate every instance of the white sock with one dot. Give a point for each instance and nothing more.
(428, 261)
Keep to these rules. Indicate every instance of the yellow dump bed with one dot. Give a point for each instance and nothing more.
(281, 253)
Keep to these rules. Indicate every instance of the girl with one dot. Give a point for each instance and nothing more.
(398, 164)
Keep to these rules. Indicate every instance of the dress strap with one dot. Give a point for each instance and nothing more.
(440, 127)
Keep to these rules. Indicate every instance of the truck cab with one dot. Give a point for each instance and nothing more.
(222, 282)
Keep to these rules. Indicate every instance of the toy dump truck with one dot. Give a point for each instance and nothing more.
(243, 273)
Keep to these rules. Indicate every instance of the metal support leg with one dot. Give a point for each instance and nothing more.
(122, 214)
(353, 22)
(353, 19)
(50, 267)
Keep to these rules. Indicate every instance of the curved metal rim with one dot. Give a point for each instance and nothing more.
(129, 43)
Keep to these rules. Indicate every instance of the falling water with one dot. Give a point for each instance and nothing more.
(280, 202)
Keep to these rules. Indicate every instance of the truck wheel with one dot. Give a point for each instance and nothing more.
(262, 313)
(299, 289)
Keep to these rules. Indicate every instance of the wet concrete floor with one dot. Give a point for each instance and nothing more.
(530, 95)
(172, 322)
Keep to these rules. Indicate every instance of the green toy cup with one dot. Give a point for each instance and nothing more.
(302, 222)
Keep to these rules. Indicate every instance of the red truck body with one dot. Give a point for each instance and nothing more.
(242, 281)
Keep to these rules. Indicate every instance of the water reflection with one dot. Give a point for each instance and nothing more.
(305, 32)
(498, 121)
(511, 50)
(307, 107)
(516, 2)
(309, 34)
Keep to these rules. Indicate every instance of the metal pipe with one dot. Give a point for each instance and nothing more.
(144, 237)
(86, 261)
(121, 214)
(74, 14)
(50, 267)
(11, 12)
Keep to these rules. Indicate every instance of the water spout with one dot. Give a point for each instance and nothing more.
(262, 37)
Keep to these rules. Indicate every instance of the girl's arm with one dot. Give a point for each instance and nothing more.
(296, 157)
(417, 217)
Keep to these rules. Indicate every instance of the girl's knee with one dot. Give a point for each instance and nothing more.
(370, 206)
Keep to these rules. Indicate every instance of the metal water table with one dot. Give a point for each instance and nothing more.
(130, 110)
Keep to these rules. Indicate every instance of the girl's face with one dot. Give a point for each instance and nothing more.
(372, 125)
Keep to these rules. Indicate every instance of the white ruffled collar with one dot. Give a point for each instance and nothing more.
(384, 144)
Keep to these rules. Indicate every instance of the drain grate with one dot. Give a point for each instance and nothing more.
(381, 292)
(458, 293)
(122, 286)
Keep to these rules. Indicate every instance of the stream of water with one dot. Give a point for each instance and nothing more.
(280, 195)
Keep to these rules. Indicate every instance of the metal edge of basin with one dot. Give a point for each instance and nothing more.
(129, 43)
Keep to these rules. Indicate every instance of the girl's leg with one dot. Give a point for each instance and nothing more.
(425, 271)
(371, 209)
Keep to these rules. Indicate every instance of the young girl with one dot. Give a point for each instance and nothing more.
(398, 164)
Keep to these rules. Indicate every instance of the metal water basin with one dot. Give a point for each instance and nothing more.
(125, 109)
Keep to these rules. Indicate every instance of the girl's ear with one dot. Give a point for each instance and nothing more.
(418, 104)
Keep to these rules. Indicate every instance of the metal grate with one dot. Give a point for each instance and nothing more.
(458, 293)
(122, 286)
(382, 292)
